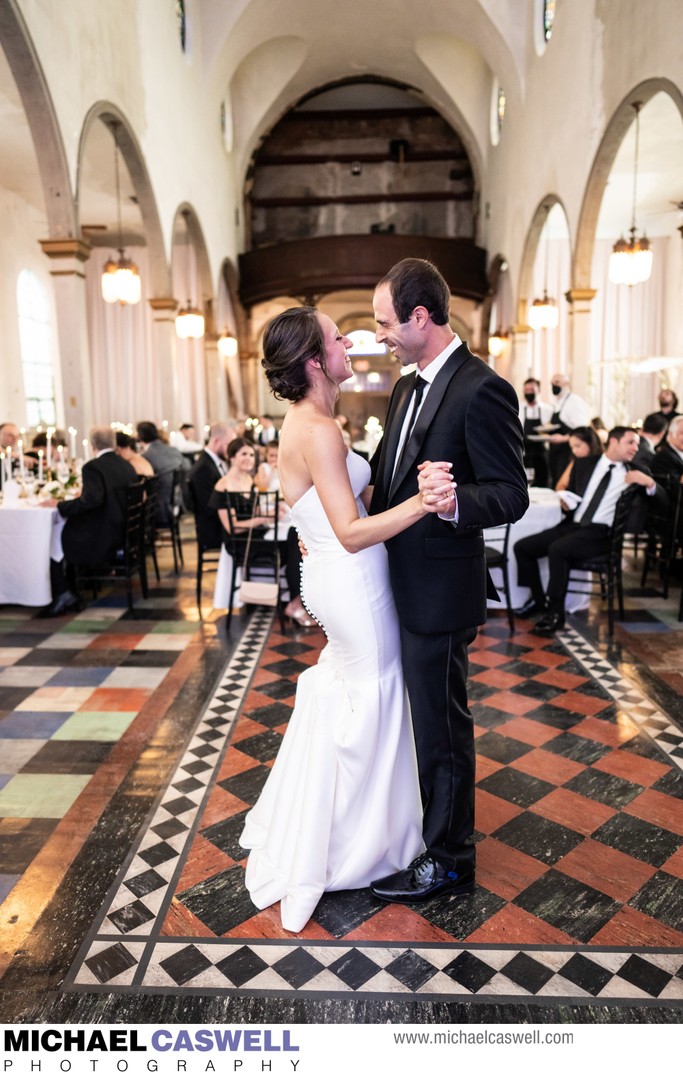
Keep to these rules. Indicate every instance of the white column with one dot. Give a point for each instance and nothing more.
(580, 300)
(165, 357)
(67, 269)
(216, 380)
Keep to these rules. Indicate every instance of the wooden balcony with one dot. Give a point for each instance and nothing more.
(311, 268)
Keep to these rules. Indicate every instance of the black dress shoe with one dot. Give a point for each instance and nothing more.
(62, 604)
(549, 624)
(531, 607)
(423, 879)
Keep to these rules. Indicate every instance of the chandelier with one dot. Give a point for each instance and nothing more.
(631, 262)
(189, 322)
(120, 279)
(543, 313)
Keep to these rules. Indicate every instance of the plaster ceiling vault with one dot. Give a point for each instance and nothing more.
(449, 55)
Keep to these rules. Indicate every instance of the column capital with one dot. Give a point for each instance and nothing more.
(521, 330)
(165, 303)
(66, 248)
(580, 295)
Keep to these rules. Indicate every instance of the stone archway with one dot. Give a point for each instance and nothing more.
(42, 120)
(108, 114)
(601, 168)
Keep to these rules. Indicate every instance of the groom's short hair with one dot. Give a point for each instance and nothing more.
(416, 282)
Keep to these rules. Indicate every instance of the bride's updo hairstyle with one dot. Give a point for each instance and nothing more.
(290, 341)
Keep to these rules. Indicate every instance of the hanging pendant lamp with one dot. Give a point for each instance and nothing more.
(631, 262)
(544, 313)
(189, 322)
(120, 279)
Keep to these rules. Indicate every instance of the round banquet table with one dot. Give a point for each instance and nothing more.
(543, 512)
(29, 537)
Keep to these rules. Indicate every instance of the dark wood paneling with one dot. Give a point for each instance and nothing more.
(315, 267)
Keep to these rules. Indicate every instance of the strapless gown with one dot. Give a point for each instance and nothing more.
(341, 805)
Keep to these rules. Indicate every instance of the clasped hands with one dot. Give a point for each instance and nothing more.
(437, 488)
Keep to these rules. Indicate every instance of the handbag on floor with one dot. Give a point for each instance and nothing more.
(252, 592)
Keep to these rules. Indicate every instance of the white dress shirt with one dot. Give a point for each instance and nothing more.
(427, 375)
(604, 513)
(572, 409)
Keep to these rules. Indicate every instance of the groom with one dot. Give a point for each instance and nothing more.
(458, 412)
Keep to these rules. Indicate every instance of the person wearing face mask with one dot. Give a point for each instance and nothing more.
(534, 413)
(569, 411)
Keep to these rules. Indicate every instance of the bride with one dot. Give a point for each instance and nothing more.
(341, 805)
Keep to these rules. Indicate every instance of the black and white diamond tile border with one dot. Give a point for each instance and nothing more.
(646, 715)
(423, 971)
(124, 952)
(137, 904)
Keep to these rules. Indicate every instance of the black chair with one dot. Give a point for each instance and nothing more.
(208, 554)
(264, 553)
(149, 548)
(606, 566)
(496, 550)
(128, 561)
(664, 529)
(168, 533)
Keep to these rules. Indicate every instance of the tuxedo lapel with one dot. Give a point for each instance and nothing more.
(429, 409)
(395, 418)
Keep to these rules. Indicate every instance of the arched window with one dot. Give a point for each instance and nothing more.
(35, 341)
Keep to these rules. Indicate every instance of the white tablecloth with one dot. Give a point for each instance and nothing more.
(29, 537)
(543, 512)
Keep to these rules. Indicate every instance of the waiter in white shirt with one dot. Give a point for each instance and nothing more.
(533, 414)
(570, 411)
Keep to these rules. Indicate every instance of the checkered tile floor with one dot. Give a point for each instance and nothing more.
(580, 857)
(69, 690)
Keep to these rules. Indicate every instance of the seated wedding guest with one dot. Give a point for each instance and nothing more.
(668, 459)
(534, 413)
(126, 448)
(57, 441)
(268, 432)
(165, 460)
(239, 480)
(583, 441)
(209, 467)
(570, 411)
(599, 426)
(95, 521)
(185, 440)
(9, 435)
(652, 433)
(668, 405)
(267, 476)
(595, 485)
(268, 480)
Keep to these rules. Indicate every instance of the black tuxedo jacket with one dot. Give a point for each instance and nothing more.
(202, 479)
(95, 521)
(579, 478)
(666, 461)
(470, 417)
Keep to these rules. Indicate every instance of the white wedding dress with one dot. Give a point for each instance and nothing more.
(341, 805)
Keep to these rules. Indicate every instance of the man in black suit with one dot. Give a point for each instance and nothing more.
(206, 471)
(595, 485)
(652, 434)
(95, 521)
(668, 460)
(466, 420)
